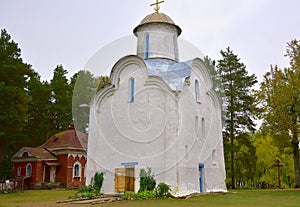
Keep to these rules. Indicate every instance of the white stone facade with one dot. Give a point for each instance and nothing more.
(160, 40)
(139, 121)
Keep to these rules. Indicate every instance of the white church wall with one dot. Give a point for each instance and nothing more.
(213, 157)
(159, 129)
(207, 147)
(188, 167)
(141, 138)
(157, 40)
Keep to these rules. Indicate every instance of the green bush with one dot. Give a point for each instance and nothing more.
(162, 190)
(84, 189)
(129, 195)
(97, 182)
(88, 195)
(145, 194)
(92, 190)
(147, 182)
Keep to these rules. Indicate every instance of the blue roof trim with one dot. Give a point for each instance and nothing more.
(173, 73)
(129, 163)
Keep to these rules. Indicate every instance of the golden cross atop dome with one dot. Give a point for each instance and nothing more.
(156, 8)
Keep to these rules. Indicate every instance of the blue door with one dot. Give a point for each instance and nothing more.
(201, 166)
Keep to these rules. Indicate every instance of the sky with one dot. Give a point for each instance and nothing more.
(70, 32)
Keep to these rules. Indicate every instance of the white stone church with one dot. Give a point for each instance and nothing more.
(157, 113)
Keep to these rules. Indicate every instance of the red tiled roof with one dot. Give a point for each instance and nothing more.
(68, 138)
(40, 153)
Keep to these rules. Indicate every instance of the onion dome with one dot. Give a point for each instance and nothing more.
(157, 17)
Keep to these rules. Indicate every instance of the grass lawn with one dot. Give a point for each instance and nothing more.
(243, 198)
(34, 198)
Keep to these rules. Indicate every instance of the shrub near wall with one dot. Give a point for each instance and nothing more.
(162, 190)
(147, 181)
(147, 188)
(97, 182)
(92, 190)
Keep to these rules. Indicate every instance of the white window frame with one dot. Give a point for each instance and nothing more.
(19, 171)
(28, 172)
(79, 169)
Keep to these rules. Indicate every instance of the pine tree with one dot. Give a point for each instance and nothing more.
(60, 112)
(38, 111)
(238, 104)
(14, 76)
(211, 65)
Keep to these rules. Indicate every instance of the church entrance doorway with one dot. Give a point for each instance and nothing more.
(124, 179)
(201, 166)
(47, 174)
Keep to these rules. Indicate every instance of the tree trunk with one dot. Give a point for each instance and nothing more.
(232, 163)
(0, 147)
(295, 144)
(232, 152)
(232, 137)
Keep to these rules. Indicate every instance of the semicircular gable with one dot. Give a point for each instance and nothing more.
(199, 66)
(122, 64)
(216, 100)
(158, 82)
(21, 152)
(115, 73)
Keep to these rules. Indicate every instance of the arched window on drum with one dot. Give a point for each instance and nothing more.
(131, 89)
(197, 92)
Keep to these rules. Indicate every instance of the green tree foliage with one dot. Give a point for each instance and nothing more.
(33, 110)
(85, 86)
(267, 152)
(238, 104)
(14, 76)
(147, 181)
(103, 81)
(211, 65)
(245, 159)
(279, 102)
(61, 102)
(39, 94)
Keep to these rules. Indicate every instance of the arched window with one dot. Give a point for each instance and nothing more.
(213, 157)
(197, 94)
(19, 171)
(131, 89)
(77, 169)
(203, 127)
(196, 125)
(25, 154)
(28, 169)
(147, 46)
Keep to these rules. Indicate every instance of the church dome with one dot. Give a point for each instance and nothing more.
(157, 17)
(157, 37)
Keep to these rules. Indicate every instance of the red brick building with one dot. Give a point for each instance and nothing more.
(61, 159)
